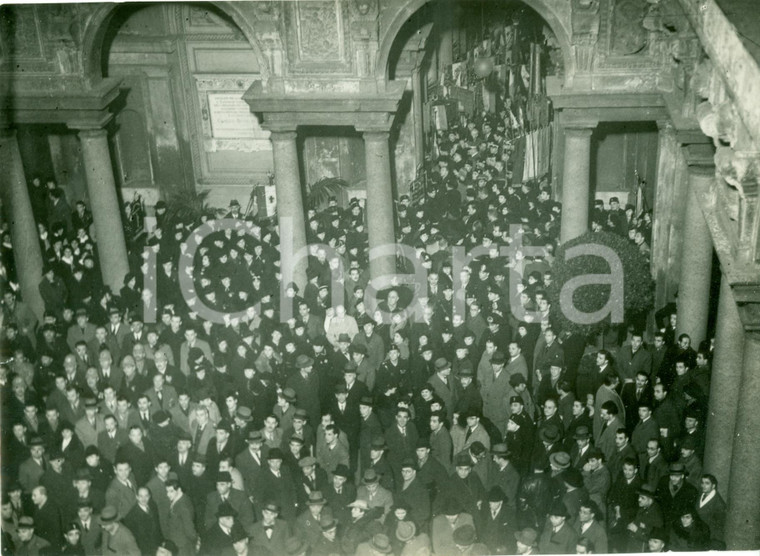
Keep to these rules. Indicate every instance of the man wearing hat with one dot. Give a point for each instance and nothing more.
(504, 474)
(443, 386)
(378, 545)
(526, 541)
(495, 388)
(91, 531)
(369, 429)
(91, 425)
(557, 537)
(675, 494)
(81, 331)
(117, 539)
(498, 525)
(413, 492)
(465, 540)
(252, 460)
(192, 350)
(596, 478)
(28, 542)
(372, 342)
(328, 541)
(307, 525)
(219, 537)
(237, 500)
(451, 517)
(647, 518)
(270, 532)
(430, 471)
(305, 384)
(374, 493)
(275, 483)
(311, 477)
(341, 492)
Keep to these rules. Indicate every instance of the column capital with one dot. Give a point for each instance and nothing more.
(375, 135)
(579, 130)
(700, 158)
(93, 133)
(665, 126)
(94, 122)
(283, 134)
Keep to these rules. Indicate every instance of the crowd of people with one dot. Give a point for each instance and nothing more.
(303, 425)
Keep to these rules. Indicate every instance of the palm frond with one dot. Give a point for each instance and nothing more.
(320, 192)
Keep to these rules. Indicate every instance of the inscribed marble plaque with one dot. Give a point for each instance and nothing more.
(231, 117)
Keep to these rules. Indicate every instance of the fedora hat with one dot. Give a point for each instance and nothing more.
(289, 394)
(304, 361)
(527, 536)
(327, 522)
(405, 531)
(225, 510)
(561, 460)
(441, 364)
(677, 468)
(498, 358)
(500, 450)
(464, 535)
(344, 338)
(378, 443)
(550, 434)
(244, 413)
(381, 543)
(558, 509)
(108, 515)
(582, 433)
(647, 490)
(307, 461)
(342, 471)
(315, 499)
(370, 477)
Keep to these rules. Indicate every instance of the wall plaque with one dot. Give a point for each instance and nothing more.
(231, 117)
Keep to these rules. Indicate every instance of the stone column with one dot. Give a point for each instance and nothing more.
(575, 182)
(743, 519)
(418, 89)
(290, 214)
(696, 261)
(26, 247)
(667, 157)
(380, 222)
(725, 388)
(106, 210)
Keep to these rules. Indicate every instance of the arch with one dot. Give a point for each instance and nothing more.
(410, 7)
(98, 23)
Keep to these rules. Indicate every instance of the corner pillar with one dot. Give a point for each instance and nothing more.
(725, 388)
(104, 203)
(696, 260)
(743, 517)
(665, 194)
(418, 109)
(576, 182)
(26, 247)
(290, 211)
(380, 222)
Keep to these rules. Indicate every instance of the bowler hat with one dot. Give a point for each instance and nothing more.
(301, 414)
(558, 509)
(223, 477)
(516, 380)
(342, 471)
(26, 522)
(496, 494)
(225, 510)
(275, 453)
(289, 394)
(344, 338)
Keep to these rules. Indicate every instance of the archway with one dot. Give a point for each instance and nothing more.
(100, 22)
(409, 9)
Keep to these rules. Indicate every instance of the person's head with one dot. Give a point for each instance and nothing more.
(173, 490)
(25, 529)
(630, 468)
(684, 341)
(402, 416)
(143, 495)
(708, 483)
(201, 414)
(550, 407)
(660, 391)
(39, 495)
(621, 438)
(135, 434)
(331, 434)
(645, 411)
(122, 470)
(653, 447)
